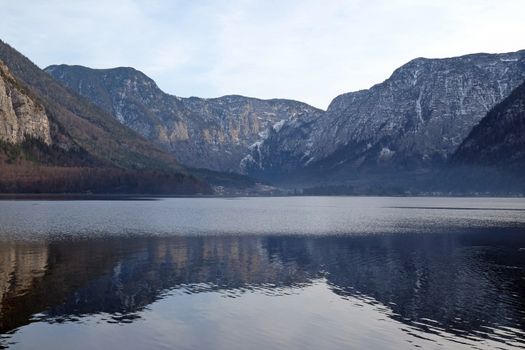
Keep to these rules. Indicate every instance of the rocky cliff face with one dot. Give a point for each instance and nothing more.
(499, 139)
(205, 133)
(21, 115)
(413, 121)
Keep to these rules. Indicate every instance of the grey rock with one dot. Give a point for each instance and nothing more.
(211, 133)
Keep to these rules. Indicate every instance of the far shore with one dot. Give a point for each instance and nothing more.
(153, 197)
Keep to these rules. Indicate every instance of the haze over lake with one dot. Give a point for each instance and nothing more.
(259, 273)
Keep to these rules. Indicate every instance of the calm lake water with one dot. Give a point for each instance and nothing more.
(263, 273)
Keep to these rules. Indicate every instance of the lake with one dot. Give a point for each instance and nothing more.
(263, 273)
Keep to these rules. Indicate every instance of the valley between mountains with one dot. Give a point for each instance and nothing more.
(435, 126)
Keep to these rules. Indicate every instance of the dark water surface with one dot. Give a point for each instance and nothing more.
(263, 273)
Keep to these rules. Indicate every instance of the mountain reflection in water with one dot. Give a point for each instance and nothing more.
(468, 287)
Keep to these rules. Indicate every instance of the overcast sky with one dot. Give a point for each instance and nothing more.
(308, 50)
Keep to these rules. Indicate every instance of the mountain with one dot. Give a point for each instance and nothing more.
(53, 140)
(409, 124)
(397, 134)
(498, 141)
(211, 133)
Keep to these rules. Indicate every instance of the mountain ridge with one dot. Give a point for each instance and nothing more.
(411, 122)
(212, 133)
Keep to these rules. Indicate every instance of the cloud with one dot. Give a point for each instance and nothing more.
(307, 50)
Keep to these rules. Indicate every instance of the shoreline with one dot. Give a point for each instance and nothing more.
(153, 197)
